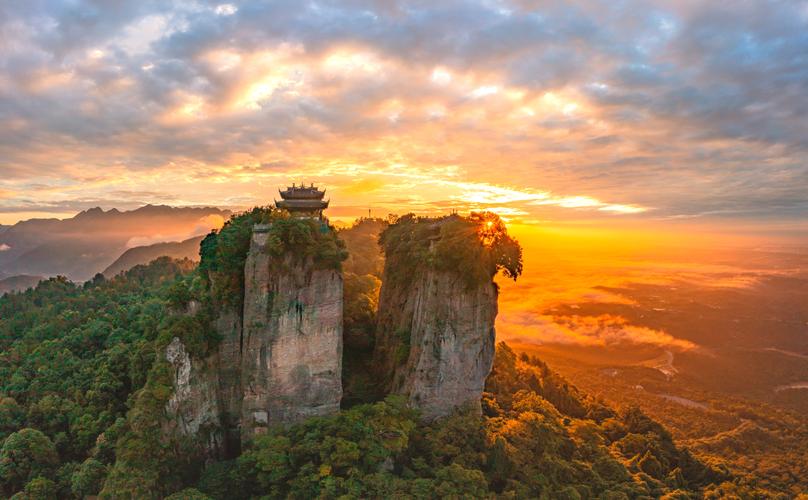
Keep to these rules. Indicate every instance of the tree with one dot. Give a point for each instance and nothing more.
(39, 488)
(12, 416)
(89, 478)
(188, 494)
(26, 454)
(455, 481)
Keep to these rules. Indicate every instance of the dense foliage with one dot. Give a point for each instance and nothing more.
(224, 252)
(474, 247)
(71, 358)
(83, 393)
(525, 446)
(763, 445)
(362, 273)
(362, 240)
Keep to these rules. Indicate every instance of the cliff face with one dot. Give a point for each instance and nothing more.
(194, 405)
(291, 350)
(435, 338)
(279, 359)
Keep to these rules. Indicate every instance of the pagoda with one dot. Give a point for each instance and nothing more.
(304, 202)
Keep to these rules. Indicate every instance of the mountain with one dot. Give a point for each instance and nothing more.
(437, 306)
(187, 249)
(81, 246)
(18, 283)
(222, 380)
(537, 435)
(274, 299)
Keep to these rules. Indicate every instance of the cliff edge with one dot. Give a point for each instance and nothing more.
(435, 326)
(291, 350)
(273, 294)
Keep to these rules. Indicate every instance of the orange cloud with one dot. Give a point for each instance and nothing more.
(218, 105)
(579, 284)
(605, 330)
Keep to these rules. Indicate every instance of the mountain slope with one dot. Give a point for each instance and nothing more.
(86, 244)
(86, 392)
(538, 435)
(187, 249)
(18, 283)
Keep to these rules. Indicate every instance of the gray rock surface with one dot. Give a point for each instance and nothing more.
(291, 364)
(450, 331)
(279, 359)
(194, 404)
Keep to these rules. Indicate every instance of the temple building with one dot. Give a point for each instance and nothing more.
(302, 201)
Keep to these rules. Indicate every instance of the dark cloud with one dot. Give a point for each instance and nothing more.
(691, 108)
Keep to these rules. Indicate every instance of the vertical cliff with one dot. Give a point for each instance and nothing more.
(438, 304)
(291, 349)
(274, 287)
(436, 338)
(194, 404)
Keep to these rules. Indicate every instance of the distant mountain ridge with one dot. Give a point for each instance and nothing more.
(18, 283)
(89, 242)
(187, 249)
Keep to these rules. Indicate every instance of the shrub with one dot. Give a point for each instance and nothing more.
(224, 253)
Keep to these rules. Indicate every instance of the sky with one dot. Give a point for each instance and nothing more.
(613, 112)
(586, 288)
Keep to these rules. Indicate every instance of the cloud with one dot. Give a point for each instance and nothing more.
(604, 330)
(687, 108)
(602, 287)
(203, 226)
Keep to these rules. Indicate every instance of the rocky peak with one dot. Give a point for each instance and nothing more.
(442, 344)
(279, 358)
(292, 342)
(438, 304)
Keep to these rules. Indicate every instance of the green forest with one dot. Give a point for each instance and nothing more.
(83, 388)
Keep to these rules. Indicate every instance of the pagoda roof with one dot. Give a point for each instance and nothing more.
(302, 192)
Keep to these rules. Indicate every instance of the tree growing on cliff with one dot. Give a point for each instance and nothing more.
(474, 247)
(224, 252)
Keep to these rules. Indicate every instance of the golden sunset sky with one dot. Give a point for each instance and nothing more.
(608, 114)
(623, 142)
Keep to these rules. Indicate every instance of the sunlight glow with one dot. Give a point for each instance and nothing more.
(223, 60)
(347, 62)
(484, 91)
(623, 209)
(441, 76)
(258, 92)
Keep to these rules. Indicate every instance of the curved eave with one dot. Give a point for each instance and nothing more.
(296, 204)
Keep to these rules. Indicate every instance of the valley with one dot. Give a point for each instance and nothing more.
(716, 349)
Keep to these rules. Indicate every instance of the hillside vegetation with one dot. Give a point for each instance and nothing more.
(72, 358)
(186, 249)
(362, 273)
(84, 383)
(475, 247)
